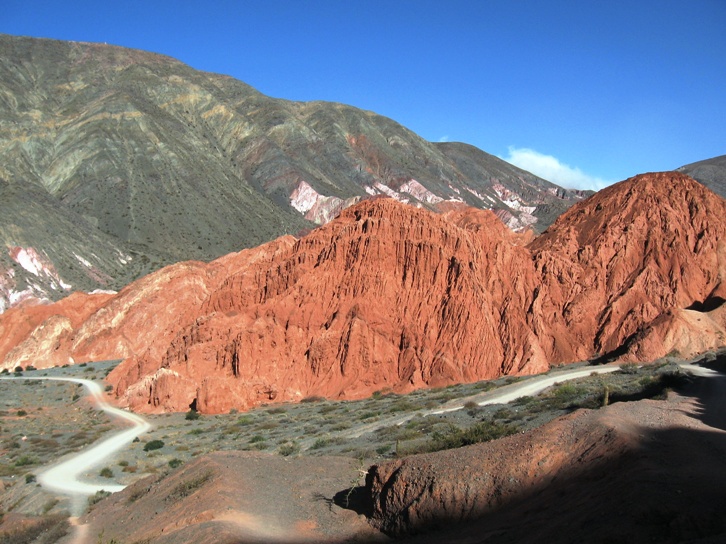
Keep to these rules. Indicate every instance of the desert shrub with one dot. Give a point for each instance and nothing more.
(22, 413)
(25, 460)
(340, 426)
(244, 420)
(314, 398)
(320, 443)
(403, 405)
(50, 528)
(29, 478)
(327, 408)
(99, 496)
(136, 494)
(289, 449)
(456, 437)
(4, 371)
(192, 415)
(186, 488)
(257, 438)
(628, 368)
(523, 401)
(106, 473)
(30, 368)
(174, 463)
(154, 445)
(268, 425)
(18, 369)
(49, 505)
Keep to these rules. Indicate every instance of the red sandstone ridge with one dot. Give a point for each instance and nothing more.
(387, 296)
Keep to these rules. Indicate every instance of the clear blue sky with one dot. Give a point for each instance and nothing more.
(609, 89)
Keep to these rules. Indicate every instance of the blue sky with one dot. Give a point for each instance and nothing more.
(584, 93)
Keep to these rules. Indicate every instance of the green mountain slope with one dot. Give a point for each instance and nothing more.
(153, 159)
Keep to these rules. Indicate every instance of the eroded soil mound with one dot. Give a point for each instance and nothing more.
(236, 497)
(647, 471)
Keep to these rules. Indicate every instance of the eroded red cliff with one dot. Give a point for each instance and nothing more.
(388, 296)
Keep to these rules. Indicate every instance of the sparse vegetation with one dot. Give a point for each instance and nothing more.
(48, 528)
(188, 487)
(288, 449)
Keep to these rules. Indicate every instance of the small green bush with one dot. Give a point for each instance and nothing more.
(185, 489)
(289, 449)
(25, 461)
(192, 415)
(99, 496)
(320, 443)
(106, 473)
(154, 445)
(174, 463)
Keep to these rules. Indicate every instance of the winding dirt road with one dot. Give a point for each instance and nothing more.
(65, 476)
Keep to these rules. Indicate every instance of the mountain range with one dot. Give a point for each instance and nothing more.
(116, 162)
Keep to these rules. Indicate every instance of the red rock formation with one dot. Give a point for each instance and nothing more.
(387, 296)
(33, 334)
(612, 264)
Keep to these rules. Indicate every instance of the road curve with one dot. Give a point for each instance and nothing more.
(64, 477)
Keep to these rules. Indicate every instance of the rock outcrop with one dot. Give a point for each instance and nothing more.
(614, 263)
(389, 296)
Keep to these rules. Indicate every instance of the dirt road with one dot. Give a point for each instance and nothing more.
(65, 476)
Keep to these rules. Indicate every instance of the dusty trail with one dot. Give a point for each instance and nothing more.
(502, 395)
(64, 477)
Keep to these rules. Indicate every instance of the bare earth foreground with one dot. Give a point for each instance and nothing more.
(646, 471)
(640, 471)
